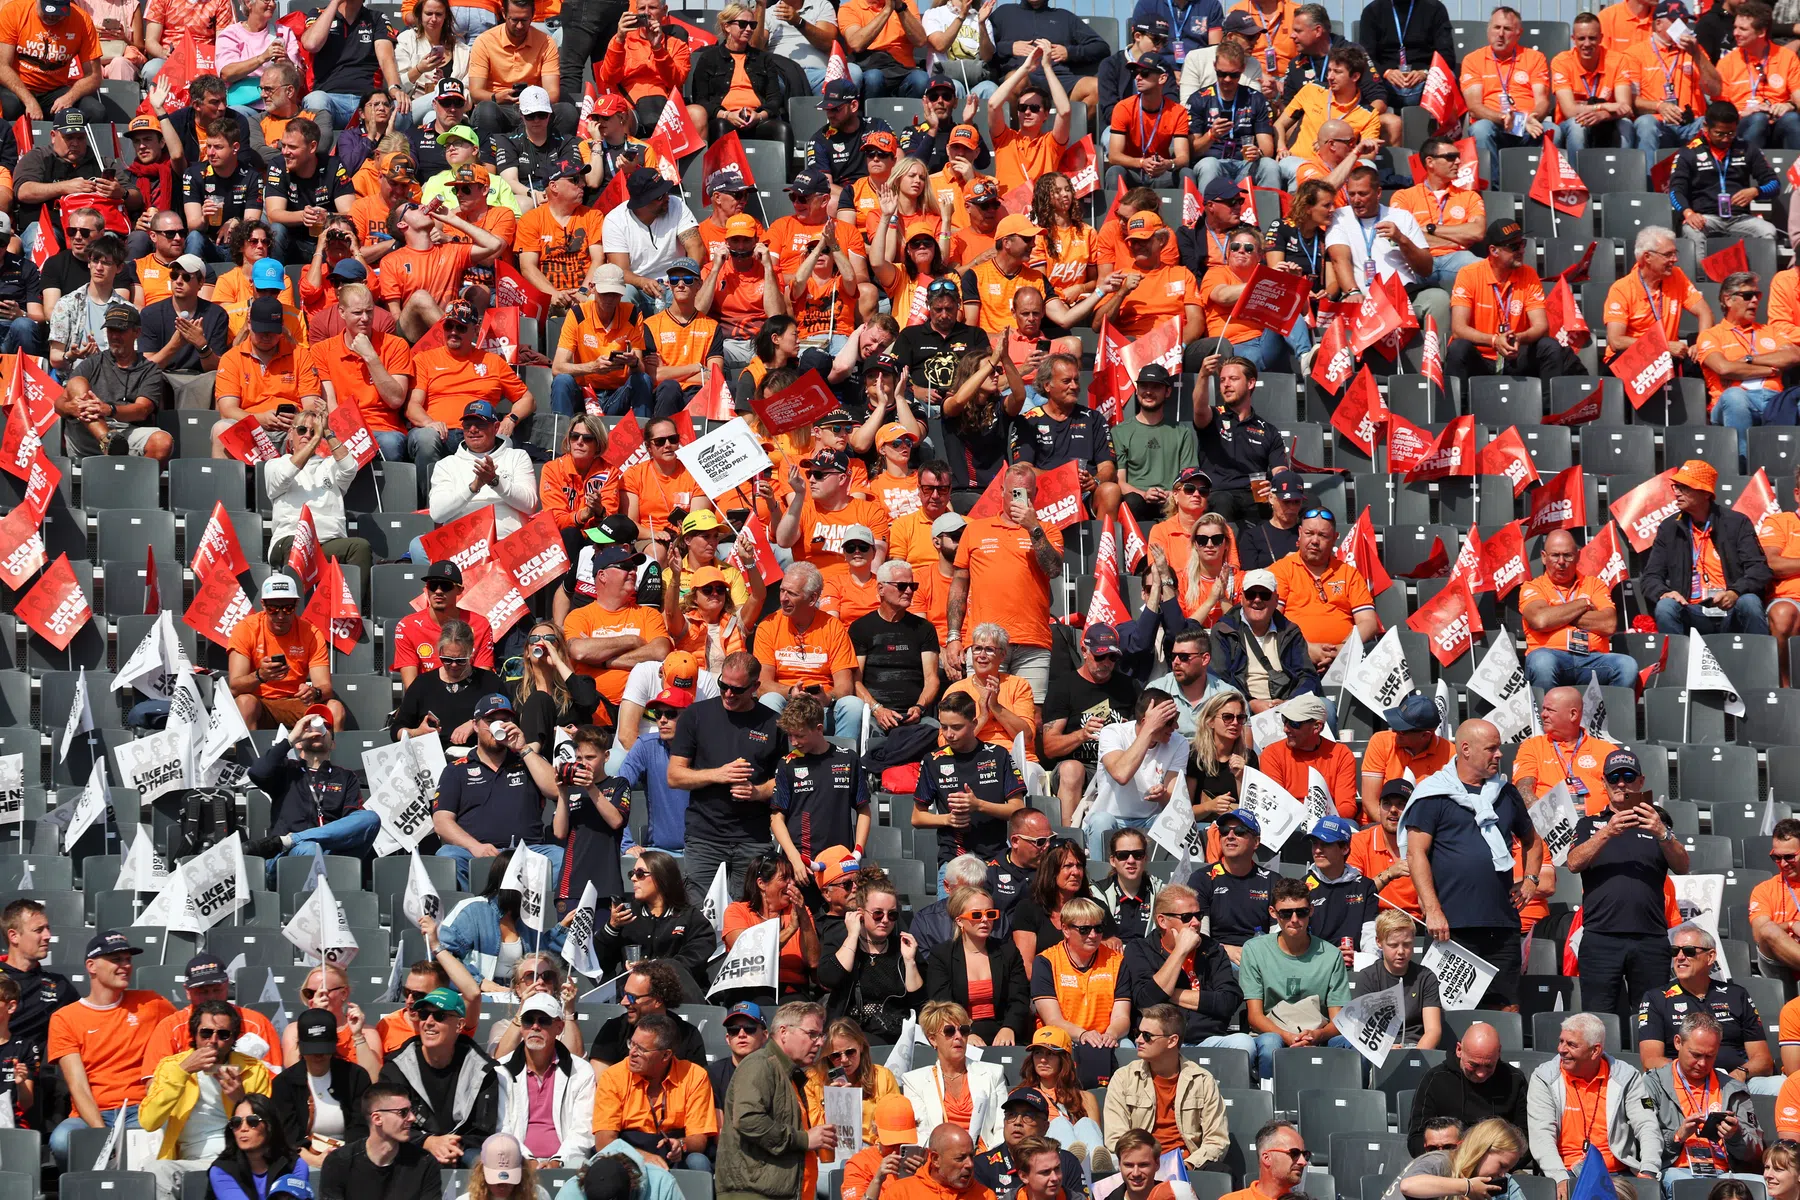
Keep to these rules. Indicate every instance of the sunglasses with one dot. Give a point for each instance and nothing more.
(1623, 777)
(402, 1113)
(684, 281)
(1186, 918)
(1258, 596)
(1106, 656)
(662, 714)
(429, 1012)
(668, 439)
(951, 1031)
(1291, 914)
(858, 548)
(537, 1020)
(1245, 248)
(454, 660)
(741, 1029)
(736, 689)
(1039, 842)
(82, 231)
(1296, 1155)
(1229, 74)
(216, 1035)
(841, 1056)
(1025, 108)
(176, 274)
(439, 585)
(1193, 489)
(1319, 514)
(740, 24)
(880, 914)
(1233, 718)
(1209, 539)
(413, 996)
(1233, 831)
(981, 914)
(1783, 858)
(168, 233)
(1691, 951)
(1129, 855)
(256, 1122)
(1083, 930)
(904, 588)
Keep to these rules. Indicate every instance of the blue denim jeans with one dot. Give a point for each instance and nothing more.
(1739, 408)
(462, 857)
(1490, 139)
(843, 717)
(24, 334)
(1573, 136)
(874, 83)
(352, 834)
(1650, 134)
(341, 105)
(1099, 825)
(59, 1137)
(568, 398)
(392, 444)
(1746, 616)
(1263, 173)
(1444, 269)
(1268, 352)
(1754, 129)
(1549, 668)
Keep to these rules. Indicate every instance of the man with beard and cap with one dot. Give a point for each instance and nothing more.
(1090, 698)
(1151, 446)
(561, 1132)
(646, 234)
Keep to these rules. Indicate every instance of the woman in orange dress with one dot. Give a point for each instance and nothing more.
(1067, 241)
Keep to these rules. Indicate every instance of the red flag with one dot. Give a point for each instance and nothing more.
(684, 426)
(191, 59)
(1435, 566)
(1602, 559)
(1577, 271)
(1452, 454)
(1107, 606)
(1559, 504)
(1360, 413)
(1134, 538)
(1646, 366)
(1503, 561)
(1556, 183)
(614, 193)
(1647, 673)
(533, 553)
(55, 608)
(1358, 549)
(1725, 262)
(1190, 202)
(1468, 566)
(1407, 444)
(31, 381)
(697, 37)
(584, 119)
(511, 289)
(1642, 510)
(1432, 366)
(728, 151)
(111, 211)
(1058, 497)
(1661, 172)
(624, 441)
(674, 125)
(152, 583)
(1161, 345)
(666, 158)
(303, 552)
(465, 541)
(1335, 360)
(346, 422)
(1450, 620)
(1272, 298)
(218, 552)
(332, 610)
(1018, 201)
(40, 486)
(753, 546)
(248, 442)
(1111, 388)
(1375, 319)
(1442, 98)
(1077, 162)
(1568, 326)
(21, 547)
(800, 403)
(489, 589)
(837, 66)
(1507, 455)
(1468, 175)
(500, 333)
(1586, 409)
(1757, 500)
(1112, 209)
(712, 402)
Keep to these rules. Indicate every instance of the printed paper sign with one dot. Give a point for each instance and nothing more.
(1463, 978)
(753, 962)
(1372, 1023)
(1553, 815)
(723, 459)
(1276, 811)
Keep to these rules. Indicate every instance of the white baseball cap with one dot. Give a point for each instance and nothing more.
(280, 587)
(541, 1002)
(534, 100)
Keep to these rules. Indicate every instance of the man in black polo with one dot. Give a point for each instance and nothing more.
(65, 167)
(525, 158)
(302, 189)
(1236, 445)
(1234, 892)
(931, 349)
(1743, 1046)
(896, 654)
(222, 191)
(1265, 543)
(350, 44)
(1009, 875)
(41, 992)
(496, 796)
(1624, 855)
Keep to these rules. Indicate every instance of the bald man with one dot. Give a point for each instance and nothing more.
(1564, 753)
(949, 1175)
(1569, 622)
(1470, 1085)
(1334, 156)
(1457, 837)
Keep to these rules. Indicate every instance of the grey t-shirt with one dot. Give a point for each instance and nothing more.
(1419, 985)
(786, 41)
(119, 385)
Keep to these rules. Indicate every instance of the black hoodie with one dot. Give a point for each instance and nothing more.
(1444, 1091)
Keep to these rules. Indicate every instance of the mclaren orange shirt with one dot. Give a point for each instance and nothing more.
(1598, 85)
(1477, 290)
(845, 597)
(564, 248)
(1621, 29)
(658, 494)
(1543, 589)
(591, 620)
(153, 277)
(1163, 293)
(1149, 133)
(1372, 851)
(564, 491)
(1774, 900)
(1780, 535)
(1666, 73)
(43, 54)
(1629, 300)
(1005, 584)
(810, 657)
(1584, 1119)
(303, 646)
(1784, 305)
(1322, 604)
(1767, 78)
(622, 1101)
(679, 345)
(437, 271)
(1015, 698)
(712, 232)
(349, 377)
(1551, 763)
(1111, 249)
(451, 380)
(1448, 207)
(993, 289)
(892, 40)
(1385, 757)
(1068, 252)
(1021, 159)
(260, 387)
(1275, 32)
(589, 338)
(1735, 344)
(110, 1041)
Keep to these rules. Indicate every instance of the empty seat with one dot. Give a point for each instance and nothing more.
(1618, 450)
(121, 482)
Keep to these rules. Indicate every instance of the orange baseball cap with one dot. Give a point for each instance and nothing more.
(680, 669)
(836, 864)
(964, 137)
(699, 579)
(742, 225)
(1146, 224)
(1057, 1039)
(895, 1122)
(1698, 474)
(1016, 225)
(882, 140)
(890, 433)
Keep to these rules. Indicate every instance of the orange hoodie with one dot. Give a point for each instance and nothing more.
(638, 70)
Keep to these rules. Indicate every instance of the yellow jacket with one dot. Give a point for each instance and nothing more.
(173, 1093)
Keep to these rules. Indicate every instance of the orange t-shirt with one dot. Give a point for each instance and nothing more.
(1598, 86)
(1069, 251)
(845, 598)
(1167, 1131)
(1019, 159)
(1372, 851)
(657, 494)
(303, 646)
(994, 290)
(1480, 292)
(1550, 764)
(739, 917)
(1147, 134)
(712, 232)
(1322, 605)
(1511, 79)
(1665, 73)
(1542, 588)
(349, 377)
(588, 338)
(1005, 584)
(854, 14)
(1784, 304)
(1621, 29)
(1274, 32)
(679, 345)
(590, 620)
(827, 306)
(810, 657)
(1780, 535)
(1450, 208)
(1335, 763)
(110, 1041)
(1163, 293)
(899, 495)
(789, 238)
(1735, 345)
(1584, 1119)
(1385, 757)
(622, 1100)
(285, 379)
(1773, 900)
(43, 55)
(1015, 693)
(564, 249)
(1787, 1108)
(1769, 78)
(153, 277)
(369, 213)
(1110, 249)
(741, 93)
(437, 271)
(1628, 300)
(1218, 312)
(822, 533)
(738, 300)
(450, 380)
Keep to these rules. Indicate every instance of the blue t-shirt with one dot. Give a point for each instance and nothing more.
(1473, 895)
(647, 764)
(1190, 26)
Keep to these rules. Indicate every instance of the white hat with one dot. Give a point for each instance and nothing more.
(1261, 578)
(609, 280)
(533, 100)
(280, 587)
(191, 264)
(1305, 707)
(948, 523)
(858, 533)
(541, 1002)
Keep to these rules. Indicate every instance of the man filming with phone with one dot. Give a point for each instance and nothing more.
(280, 669)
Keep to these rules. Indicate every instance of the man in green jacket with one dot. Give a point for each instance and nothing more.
(765, 1141)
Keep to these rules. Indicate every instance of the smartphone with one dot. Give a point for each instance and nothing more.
(677, 516)
(1021, 496)
(286, 408)
(1710, 1128)
(737, 516)
(279, 660)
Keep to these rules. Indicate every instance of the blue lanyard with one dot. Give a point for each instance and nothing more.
(1143, 137)
(1178, 23)
(1318, 67)
(1650, 296)
(1400, 29)
(1369, 237)
(1312, 253)
(1720, 165)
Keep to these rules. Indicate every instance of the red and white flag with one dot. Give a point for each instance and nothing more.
(1135, 545)
(1335, 360)
(1436, 565)
(332, 609)
(1508, 455)
(1570, 326)
(1359, 415)
(1432, 365)
(55, 608)
(247, 441)
(465, 541)
(1641, 511)
(1757, 501)
(1407, 444)
(837, 66)
(152, 583)
(1556, 183)
(1559, 504)
(1503, 561)
(1190, 202)
(1079, 164)
(713, 401)
(728, 151)
(303, 551)
(1359, 550)
(1107, 607)
(1442, 98)
(1646, 366)
(1602, 558)
(1469, 566)
(1450, 620)
(21, 547)
(353, 433)
(753, 546)
(533, 553)
(674, 125)
(1452, 454)
(219, 552)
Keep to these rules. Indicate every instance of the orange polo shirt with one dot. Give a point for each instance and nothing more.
(1784, 305)
(1769, 78)
(1163, 293)
(1019, 158)
(451, 380)
(153, 277)
(1385, 757)
(591, 620)
(1543, 589)
(622, 1100)
(261, 387)
(1780, 535)
(993, 289)
(1550, 764)
(1629, 300)
(1449, 207)
(1597, 86)
(349, 376)
(110, 1042)
(1482, 294)
(1621, 29)
(924, 1186)
(1735, 345)
(1322, 604)
(1773, 900)
(810, 657)
(1584, 1119)
(1664, 73)
(1274, 31)
(1514, 77)
(1372, 851)
(1334, 761)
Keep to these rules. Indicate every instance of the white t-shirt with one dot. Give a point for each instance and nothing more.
(650, 249)
(645, 681)
(1127, 799)
(328, 1114)
(204, 1134)
(963, 61)
(1346, 230)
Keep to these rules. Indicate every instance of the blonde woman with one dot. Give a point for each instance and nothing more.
(981, 972)
(1781, 1170)
(550, 693)
(1423, 1021)
(1222, 749)
(967, 1094)
(845, 1062)
(1174, 536)
(1209, 583)
(909, 206)
(537, 972)
(328, 987)
(1480, 1167)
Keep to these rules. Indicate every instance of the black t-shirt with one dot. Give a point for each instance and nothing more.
(818, 795)
(893, 669)
(1247, 111)
(989, 773)
(453, 704)
(1263, 545)
(238, 191)
(1216, 779)
(64, 273)
(346, 63)
(1622, 887)
(1237, 905)
(159, 328)
(144, 380)
(932, 355)
(1308, 252)
(1045, 442)
(532, 161)
(19, 280)
(592, 849)
(609, 1043)
(1079, 697)
(1007, 883)
(710, 735)
(1473, 893)
(493, 806)
(977, 453)
(328, 181)
(439, 1089)
(42, 165)
(347, 1172)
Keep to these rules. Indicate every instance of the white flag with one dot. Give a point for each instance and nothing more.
(1381, 680)
(1446, 705)
(899, 1059)
(529, 875)
(172, 908)
(402, 781)
(1276, 811)
(217, 881)
(1554, 817)
(1349, 655)
(188, 720)
(318, 929)
(153, 667)
(1373, 1021)
(1174, 828)
(421, 898)
(111, 1148)
(272, 995)
(1593, 710)
(142, 870)
(155, 764)
(1704, 674)
(1266, 728)
(225, 728)
(754, 961)
(1319, 803)
(1462, 977)
(27, 877)
(718, 899)
(89, 808)
(12, 789)
(1500, 680)
(1767, 828)
(81, 716)
(844, 1108)
(578, 946)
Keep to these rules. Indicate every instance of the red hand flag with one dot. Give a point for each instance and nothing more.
(1641, 511)
(1757, 500)
(303, 552)
(1646, 366)
(490, 590)
(800, 403)
(674, 125)
(511, 289)
(1360, 413)
(1432, 365)
(1335, 360)
(1107, 606)
(1566, 320)
(218, 552)
(21, 547)
(1469, 566)
(1190, 202)
(1507, 455)
(1559, 504)
(1452, 454)
(1556, 183)
(713, 402)
(1435, 566)
(1134, 538)
(248, 442)
(1272, 298)
(728, 151)
(533, 553)
(55, 608)
(1442, 98)
(1725, 262)
(1451, 620)
(465, 541)
(1058, 499)
(1602, 558)
(624, 441)
(1358, 549)
(1586, 409)
(346, 422)
(1407, 444)
(1503, 561)
(1079, 164)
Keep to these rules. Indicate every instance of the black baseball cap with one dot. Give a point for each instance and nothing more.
(615, 530)
(1504, 231)
(1154, 373)
(318, 1031)
(445, 570)
(108, 942)
(206, 969)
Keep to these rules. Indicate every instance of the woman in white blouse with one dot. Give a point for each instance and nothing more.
(955, 1088)
(428, 50)
(314, 474)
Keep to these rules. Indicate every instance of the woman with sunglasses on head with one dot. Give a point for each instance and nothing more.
(657, 922)
(233, 291)
(955, 1089)
(982, 972)
(487, 934)
(1050, 1069)
(256, 1153)
(538, 974)
(1037, 918)
(845, 1062)
(868, 968)
(551, 693)
(771, 893)
(1129, 890)
(328, 987)
(986, 393)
